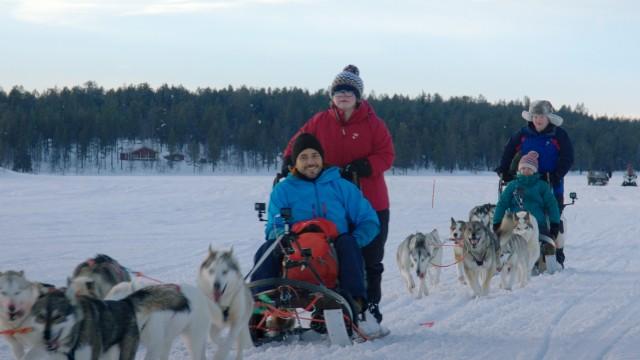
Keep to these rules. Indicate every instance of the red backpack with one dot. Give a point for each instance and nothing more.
(316, 235)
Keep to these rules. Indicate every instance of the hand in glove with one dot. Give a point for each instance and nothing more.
(284, 170)
(554, 228)
(503, 174)
(361, 167)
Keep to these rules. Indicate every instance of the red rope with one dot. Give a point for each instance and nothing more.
(12, 332)
(140, 274)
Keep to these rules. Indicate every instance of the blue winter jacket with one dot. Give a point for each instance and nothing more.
(328, 196)
(554, 149)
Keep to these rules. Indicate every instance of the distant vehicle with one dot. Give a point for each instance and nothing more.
(595, 177)
(629, 178)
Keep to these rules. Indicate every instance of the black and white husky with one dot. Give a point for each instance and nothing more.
(95, 277)
(422, 254)
(17, 297)
(514, 261)
(480, 251)
(524, 224)
(483, 213)
(83, 327)
(162, 327)
(220, 279)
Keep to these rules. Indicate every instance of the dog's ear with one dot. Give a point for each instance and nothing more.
(453, 222)
(212, 253)
(435, 234)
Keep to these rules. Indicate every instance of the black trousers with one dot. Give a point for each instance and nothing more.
(373, 255)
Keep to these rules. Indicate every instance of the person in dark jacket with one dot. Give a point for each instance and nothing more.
(356, 140)
(543, 135)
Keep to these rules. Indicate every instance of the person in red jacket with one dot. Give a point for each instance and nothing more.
(357, 140)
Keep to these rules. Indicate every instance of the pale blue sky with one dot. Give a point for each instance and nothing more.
(569, 52)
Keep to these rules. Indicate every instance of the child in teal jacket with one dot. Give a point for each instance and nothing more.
(529, 192)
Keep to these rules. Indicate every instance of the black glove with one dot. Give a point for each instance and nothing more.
(286, 163)
(503, 174)
(359, 166)
(554, 228)
(284, 170)
(277, 179)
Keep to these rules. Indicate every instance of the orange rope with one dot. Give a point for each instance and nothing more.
(12, 332)
(140, 274)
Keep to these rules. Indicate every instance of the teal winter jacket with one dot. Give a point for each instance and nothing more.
(537, 198)
(328, 196)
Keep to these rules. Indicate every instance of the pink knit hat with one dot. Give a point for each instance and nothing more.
(530, 161)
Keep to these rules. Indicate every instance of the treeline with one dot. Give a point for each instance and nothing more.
(85, 126)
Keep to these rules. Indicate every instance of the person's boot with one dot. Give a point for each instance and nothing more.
(560, 256)
(549, 253)
(374, 309)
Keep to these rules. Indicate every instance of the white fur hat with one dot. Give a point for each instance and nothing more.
(542, 107)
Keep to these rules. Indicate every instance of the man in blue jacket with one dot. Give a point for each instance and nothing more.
(312, 190)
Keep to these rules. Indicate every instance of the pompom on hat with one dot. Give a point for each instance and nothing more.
(542, 107)
(530, 160)
(348, 79)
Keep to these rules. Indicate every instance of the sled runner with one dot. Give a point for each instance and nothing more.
(304, 303)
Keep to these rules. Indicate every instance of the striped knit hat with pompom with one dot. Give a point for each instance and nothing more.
(348, 79)
(529, 161)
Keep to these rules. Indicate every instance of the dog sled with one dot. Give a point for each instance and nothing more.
(303, 304)
(547, 262)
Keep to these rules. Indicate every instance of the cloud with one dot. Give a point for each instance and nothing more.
(73, 12)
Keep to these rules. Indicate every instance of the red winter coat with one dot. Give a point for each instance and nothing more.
(363, 136)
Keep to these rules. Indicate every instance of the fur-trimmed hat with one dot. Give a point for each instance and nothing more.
(348, 79)
(530, 160)
(542, 107)
(305, 141)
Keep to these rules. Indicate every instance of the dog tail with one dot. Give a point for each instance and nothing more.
(165, 297)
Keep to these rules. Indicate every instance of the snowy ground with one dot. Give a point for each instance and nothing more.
(163, 225)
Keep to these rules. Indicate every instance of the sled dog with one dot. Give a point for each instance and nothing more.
(480, 250)
(524, 224)
(456, 234)
(163, 327)
(514, 261)
(419, 252)
(220, 279)
(82, 327)
(17, 297)
(483, 213)
(95, 277)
